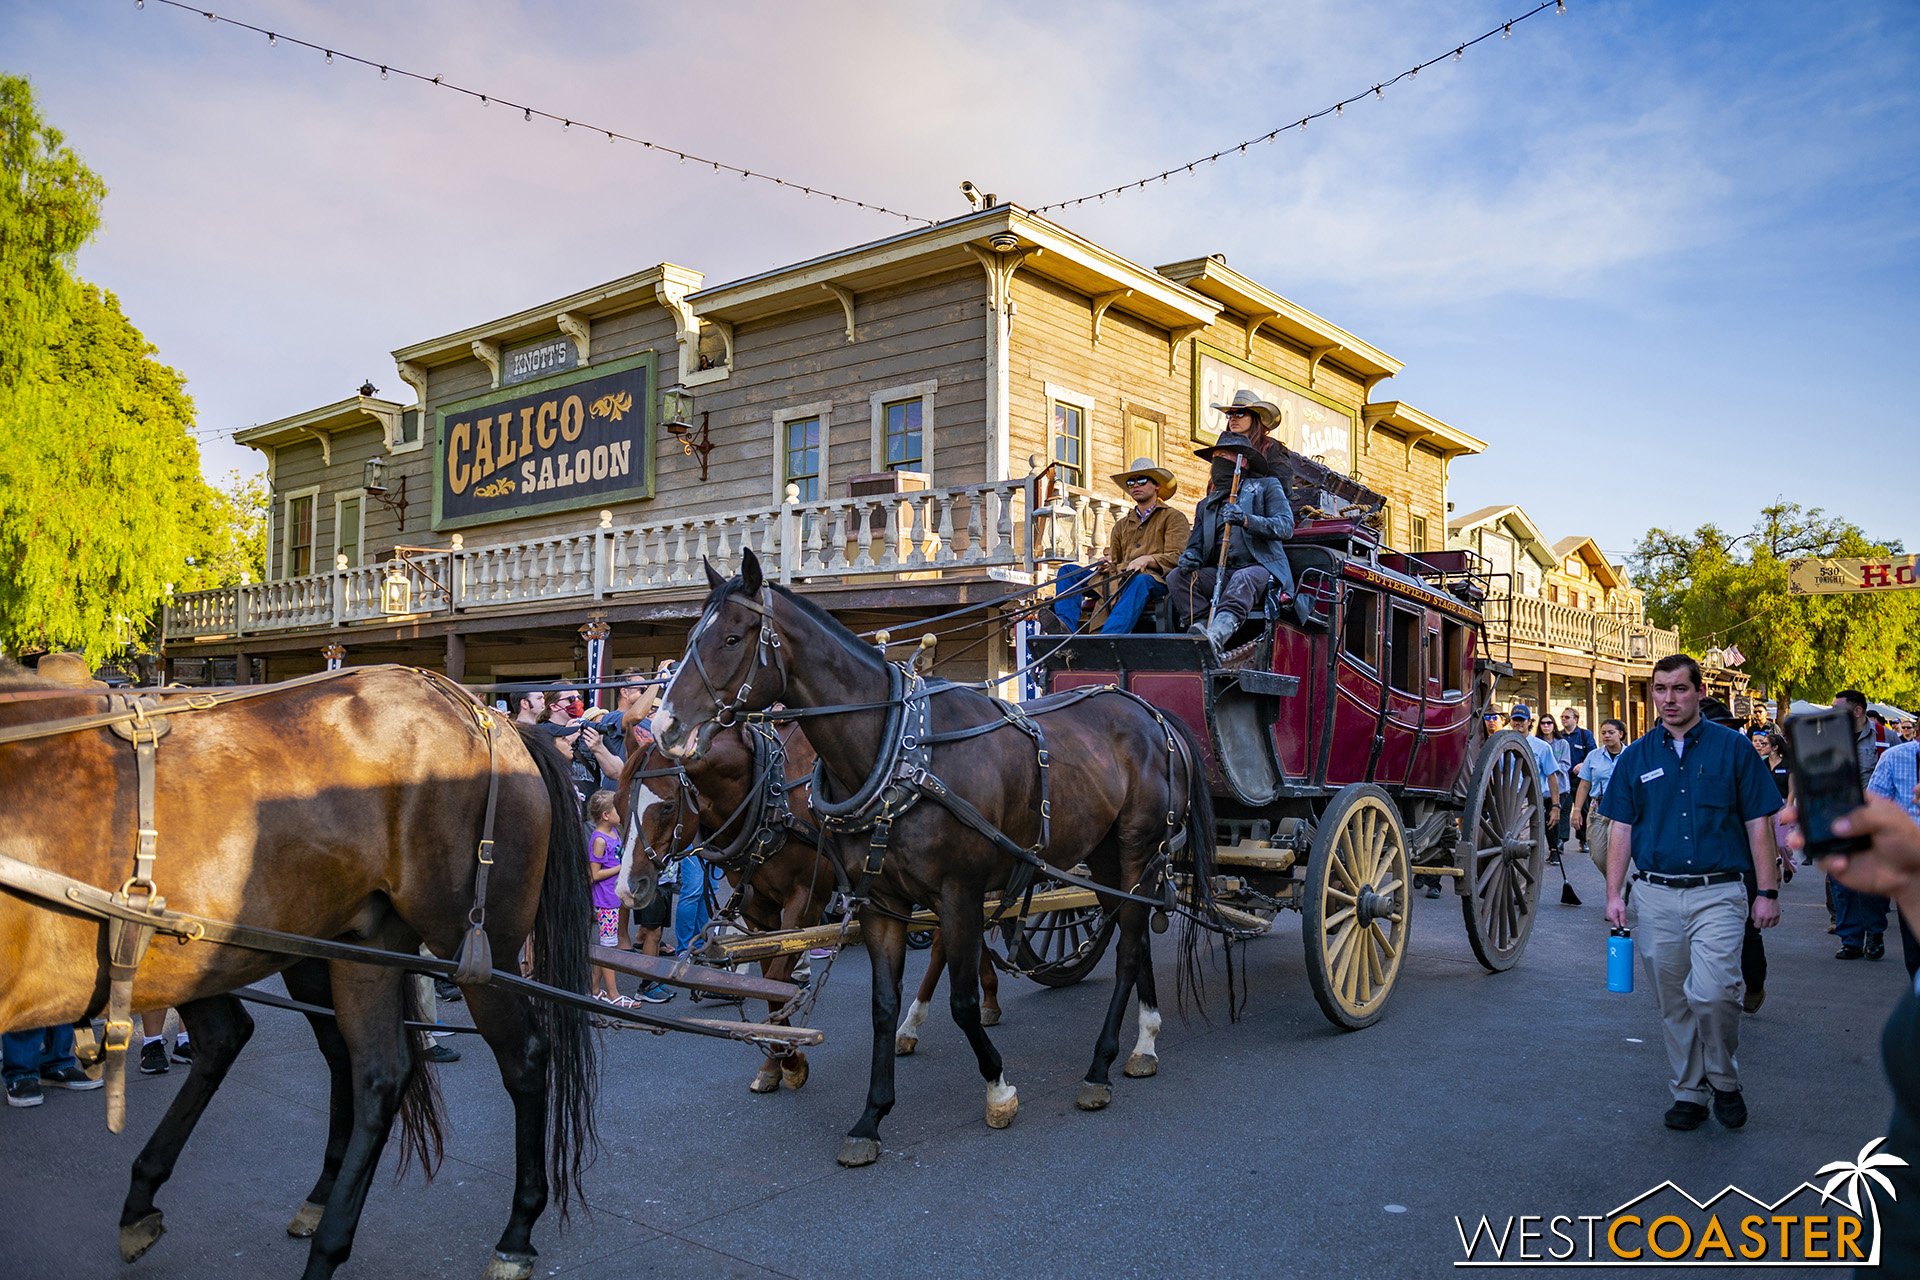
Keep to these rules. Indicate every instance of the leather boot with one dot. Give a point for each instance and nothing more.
(1221, 629)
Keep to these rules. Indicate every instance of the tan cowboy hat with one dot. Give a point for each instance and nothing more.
(1158, 474)
(1265, 410)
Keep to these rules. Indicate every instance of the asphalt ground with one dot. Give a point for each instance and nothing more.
(1274, 1146)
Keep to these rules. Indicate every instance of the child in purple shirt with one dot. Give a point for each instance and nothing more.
(603, 852)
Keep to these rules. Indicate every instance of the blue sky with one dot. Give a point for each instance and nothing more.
(1661, 256)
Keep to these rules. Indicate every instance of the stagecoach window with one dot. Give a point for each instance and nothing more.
(1453, 659)
(1360, 636)
(1405, 659)
(802, 447)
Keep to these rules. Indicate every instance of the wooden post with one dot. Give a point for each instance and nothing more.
(456, 656)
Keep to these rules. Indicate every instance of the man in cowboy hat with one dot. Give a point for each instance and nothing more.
(1143, 545)
(1253, 528)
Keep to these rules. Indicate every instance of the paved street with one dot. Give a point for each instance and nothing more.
(1272, 1147)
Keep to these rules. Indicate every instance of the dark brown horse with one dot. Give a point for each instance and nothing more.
(346, 809)
(788, 889)
(923, 779)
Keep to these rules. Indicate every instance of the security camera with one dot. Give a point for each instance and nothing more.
(975, 198)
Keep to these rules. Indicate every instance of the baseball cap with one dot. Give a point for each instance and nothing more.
(1521, 711)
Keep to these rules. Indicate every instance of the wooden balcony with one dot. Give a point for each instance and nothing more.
(1531, 622)
(970, 531)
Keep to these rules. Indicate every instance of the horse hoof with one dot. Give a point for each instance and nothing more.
(510, 1266)
(1001, 1114)
(765, 1080)
(1141, 1065)
(136, 1238)
(1094, 1097)
(857, 1153)
(989, 1017)
(306, 1221)
(903, 1046)
(794, 1074)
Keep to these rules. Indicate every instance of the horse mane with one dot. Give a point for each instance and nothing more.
(832, 625)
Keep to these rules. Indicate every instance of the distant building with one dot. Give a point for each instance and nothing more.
(897, 428)
(1565, 617)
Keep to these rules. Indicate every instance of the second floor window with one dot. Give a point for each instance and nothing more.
(904, 451)
(802, 463)
(1069, 449)
(1419, 534)
(299, 559)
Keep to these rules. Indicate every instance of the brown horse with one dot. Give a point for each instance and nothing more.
(347, 809)
(788, 889)
(940, 793)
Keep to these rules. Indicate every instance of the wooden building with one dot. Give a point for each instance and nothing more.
(899, 428)
(1566, 617)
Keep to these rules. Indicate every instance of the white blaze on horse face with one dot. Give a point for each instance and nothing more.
(1149, 1031)
(640, 799)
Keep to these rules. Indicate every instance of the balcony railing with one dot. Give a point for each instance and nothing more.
(1542, 624)
(921, 535)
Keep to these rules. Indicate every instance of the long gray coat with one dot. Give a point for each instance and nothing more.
(1269, 522)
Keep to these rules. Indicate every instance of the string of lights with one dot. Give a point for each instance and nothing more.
(1459, 51)
(531, 113)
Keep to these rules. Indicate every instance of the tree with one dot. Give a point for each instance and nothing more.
(228, 535)
(101, 498)
(1717, 590)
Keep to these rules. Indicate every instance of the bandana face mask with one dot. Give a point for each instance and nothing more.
(1221, 473)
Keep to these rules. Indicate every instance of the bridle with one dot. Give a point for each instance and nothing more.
(767, 653)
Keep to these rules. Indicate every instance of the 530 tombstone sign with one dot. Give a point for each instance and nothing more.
(582, 439)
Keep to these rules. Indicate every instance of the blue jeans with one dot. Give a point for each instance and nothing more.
(1860, 915)
(28, 1053)
(1141, 591)
(690, 915)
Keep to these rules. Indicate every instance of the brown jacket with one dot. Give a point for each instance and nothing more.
(1163, 535)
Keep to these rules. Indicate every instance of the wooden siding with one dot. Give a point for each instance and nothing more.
(1414, 481)
(299, 466)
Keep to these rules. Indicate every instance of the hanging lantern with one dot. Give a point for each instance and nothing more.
(396, 590)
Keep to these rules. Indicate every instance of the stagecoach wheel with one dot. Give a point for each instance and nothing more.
(1356, 906)
(1503, 840)
(1058, 948)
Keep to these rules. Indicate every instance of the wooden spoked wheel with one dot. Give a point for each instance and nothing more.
(1058, 948)
(1503, 841)
(1356, 906)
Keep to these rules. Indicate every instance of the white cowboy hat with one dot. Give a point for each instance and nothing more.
(1149, 468)
(1265, 410)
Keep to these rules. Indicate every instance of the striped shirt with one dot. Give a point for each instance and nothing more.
(1895, 776)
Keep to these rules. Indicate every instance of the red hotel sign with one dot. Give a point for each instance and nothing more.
(1853, 574)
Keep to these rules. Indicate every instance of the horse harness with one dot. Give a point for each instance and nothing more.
(137, 911)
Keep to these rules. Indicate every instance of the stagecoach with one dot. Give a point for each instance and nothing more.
(1344, 744)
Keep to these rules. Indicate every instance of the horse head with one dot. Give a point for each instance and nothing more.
(733, 663)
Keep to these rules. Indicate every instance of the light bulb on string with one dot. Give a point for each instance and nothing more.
(272, 40)
(1507, 32)
(329, 57)
(383, 73)
(527, 115)
(1460, 53)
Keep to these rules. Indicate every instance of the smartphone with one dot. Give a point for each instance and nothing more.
(1826, 778)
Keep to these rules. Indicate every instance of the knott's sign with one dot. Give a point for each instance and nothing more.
(567, 442)
(1853, 573)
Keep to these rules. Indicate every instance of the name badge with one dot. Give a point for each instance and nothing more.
(1656, 773)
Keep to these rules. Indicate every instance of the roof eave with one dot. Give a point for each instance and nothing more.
(1252, 300)
(623, 293)
(341, 415)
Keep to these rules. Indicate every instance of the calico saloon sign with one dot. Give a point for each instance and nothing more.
(564, 442)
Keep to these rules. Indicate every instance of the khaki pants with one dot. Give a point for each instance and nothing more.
(1599, 828)
(1689, 942)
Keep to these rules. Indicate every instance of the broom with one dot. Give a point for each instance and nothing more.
(1568, 898)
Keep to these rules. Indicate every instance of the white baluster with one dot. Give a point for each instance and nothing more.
(841, 511)
(863, 533)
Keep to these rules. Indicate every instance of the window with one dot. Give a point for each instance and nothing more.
(901, 435)
(1360, 634)
(1405, 657)
(346, 528)
(1553, 593)
(1143, 433)
(1453, 655)
(1068, 414)
(800, 439)
(298, 540)
(801, 448)
(1418, 540)
(1386, 525)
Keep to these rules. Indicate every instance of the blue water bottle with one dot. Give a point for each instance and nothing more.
(1620, 959)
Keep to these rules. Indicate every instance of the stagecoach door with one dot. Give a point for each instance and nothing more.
(1406, 670)
(1357, 677)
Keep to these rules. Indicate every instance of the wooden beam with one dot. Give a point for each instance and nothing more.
(1258, 854)
(684, 973)
(845, 295)
(1100, 305)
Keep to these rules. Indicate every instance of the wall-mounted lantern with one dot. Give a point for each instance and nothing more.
(374, 481)
(677, 409)
(396, 590)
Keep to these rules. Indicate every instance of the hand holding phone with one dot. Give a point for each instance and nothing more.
(1826, 779)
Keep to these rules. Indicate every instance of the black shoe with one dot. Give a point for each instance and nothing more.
(1553, 859)
(1729, 1108)
(153, 1058)
(1755, 997)
(1433, 891)
(440, 1053)
(183, 1050)
(69, 1078)
(1687, 1115)
(1848, 952)
(24, 1092)
(447, 991)
(1876, 946)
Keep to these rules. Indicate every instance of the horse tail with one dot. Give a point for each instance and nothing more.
(422, 1115)
(1199, 904)
(563, 930)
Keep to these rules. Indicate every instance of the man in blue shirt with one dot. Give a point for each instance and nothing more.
(1896, 776)
(1690, 805)
(1553, 779)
